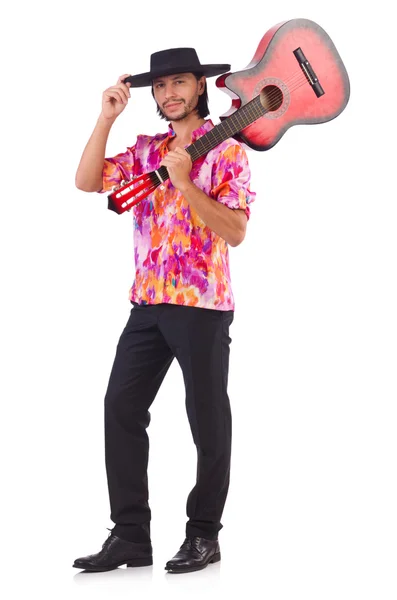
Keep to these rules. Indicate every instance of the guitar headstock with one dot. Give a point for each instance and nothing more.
(131, 191)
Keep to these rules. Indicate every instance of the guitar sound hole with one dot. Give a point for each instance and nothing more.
(271, 98)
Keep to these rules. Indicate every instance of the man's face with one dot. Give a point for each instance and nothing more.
(177, 95)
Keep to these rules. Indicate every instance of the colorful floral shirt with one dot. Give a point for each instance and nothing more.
(178, 259)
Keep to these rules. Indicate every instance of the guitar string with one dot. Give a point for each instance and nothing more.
(273, 96)
(295, 81)
(247, 110)
(252, 109)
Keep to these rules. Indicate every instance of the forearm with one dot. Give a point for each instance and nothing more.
(89, 172)
(224, 221)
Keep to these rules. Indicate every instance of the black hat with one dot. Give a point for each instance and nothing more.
(174, 60)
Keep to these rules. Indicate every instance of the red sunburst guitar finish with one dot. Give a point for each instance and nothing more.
(295, 77)
(274, 64)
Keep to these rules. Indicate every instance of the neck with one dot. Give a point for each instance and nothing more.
(184, 128)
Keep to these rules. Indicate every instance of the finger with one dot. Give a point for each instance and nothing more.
(182, 155)
(125, 88)
(122, 77)
(115, 95)
(173, 154)
(171, 160)
(185, 157)
(168, 162)
(124, 91)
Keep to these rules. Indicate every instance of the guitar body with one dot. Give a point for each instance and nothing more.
(275, 68)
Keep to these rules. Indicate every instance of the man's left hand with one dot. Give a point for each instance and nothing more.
(179, 165)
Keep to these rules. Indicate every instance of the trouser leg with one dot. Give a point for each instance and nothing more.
(141, 362)
(200, 341)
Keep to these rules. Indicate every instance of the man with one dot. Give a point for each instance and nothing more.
(182, 305)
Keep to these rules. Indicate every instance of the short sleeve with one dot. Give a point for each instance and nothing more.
(231, 178)
(117, 168)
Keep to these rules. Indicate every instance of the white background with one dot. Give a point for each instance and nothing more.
(311, 507)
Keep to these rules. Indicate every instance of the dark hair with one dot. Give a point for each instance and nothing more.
(202, 105)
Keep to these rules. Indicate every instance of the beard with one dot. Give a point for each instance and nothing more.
(187, 109)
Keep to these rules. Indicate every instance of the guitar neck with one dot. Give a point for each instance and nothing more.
(240, 119)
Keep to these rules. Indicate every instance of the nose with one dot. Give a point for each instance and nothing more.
(169, 91)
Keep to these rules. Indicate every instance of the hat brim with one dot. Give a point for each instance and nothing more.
(145, 79)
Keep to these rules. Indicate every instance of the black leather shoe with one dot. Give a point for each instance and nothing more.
(194, 554)
(116, 552)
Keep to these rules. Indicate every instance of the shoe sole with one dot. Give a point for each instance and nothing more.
(216, 558)
(136, 562)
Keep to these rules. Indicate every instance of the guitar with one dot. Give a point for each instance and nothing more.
(295, 77)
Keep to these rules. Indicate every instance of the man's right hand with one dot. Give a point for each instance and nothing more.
(115, 99)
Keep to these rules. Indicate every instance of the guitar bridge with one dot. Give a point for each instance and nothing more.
(309, 72)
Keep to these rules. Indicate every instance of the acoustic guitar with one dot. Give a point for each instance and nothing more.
(295, 77)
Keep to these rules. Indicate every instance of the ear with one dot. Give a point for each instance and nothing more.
(201, 83)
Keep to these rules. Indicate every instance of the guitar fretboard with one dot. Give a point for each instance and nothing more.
(240, 119)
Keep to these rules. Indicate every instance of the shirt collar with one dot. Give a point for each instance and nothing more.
(196, 133)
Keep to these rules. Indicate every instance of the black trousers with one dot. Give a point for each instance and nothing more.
(153, 336)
